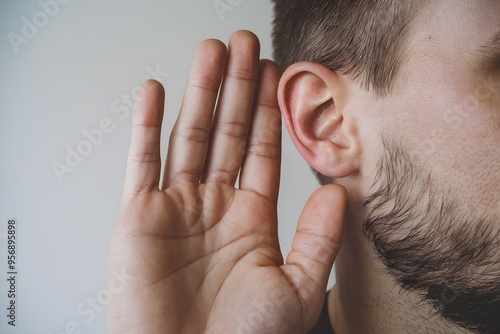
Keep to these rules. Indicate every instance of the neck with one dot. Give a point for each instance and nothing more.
(366, 299)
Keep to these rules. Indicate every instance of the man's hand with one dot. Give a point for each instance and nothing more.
(202, 256)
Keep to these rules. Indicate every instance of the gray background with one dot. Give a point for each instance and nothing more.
(66, 78)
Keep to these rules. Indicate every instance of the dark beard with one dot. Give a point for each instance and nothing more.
(432, 246)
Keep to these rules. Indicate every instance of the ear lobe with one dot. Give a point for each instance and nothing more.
(313, 101)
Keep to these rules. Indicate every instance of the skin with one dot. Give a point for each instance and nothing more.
(203, 257)
(449, 124)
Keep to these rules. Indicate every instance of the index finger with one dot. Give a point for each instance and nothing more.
(144, 162)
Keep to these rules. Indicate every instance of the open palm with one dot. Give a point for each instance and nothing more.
(202, 256)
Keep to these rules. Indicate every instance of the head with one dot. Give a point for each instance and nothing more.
(399, 101)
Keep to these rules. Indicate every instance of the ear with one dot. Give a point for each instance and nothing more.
(314, 102)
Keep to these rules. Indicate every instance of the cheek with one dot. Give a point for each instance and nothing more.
(454, 132)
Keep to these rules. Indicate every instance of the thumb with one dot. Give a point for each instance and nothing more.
(315, 246)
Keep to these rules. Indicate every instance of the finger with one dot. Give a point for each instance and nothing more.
(316, 245)
(144, 162)
(261, 167)
(234, 109)
(189, 138)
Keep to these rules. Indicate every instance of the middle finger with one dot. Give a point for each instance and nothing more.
(232, 116)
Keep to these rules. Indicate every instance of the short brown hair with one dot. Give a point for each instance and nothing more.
(364, 38)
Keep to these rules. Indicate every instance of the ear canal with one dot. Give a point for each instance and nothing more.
(326, 124)
(321, 127)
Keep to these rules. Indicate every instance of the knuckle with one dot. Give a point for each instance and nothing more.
(265, 150)
(235, 130)
(221, 176)
(192, 134)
